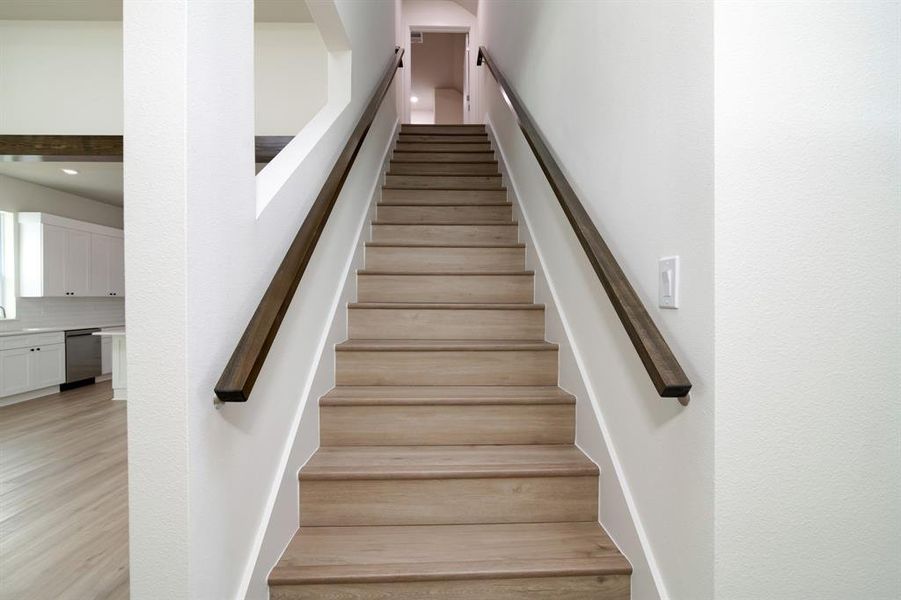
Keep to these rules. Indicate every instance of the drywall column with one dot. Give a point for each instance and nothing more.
(808, 342)
(189, 143)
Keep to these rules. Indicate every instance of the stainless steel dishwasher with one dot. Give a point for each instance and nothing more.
(83, 358)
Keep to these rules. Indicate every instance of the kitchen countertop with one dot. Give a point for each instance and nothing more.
(112, 332)
(32, 330)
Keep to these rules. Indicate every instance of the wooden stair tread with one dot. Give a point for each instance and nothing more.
(388, 395)
(444, 273)
(395, 203)
(446, 462)
(442, 345)
(447, 305)
(475, 156)
(420, 245)
(432, 552)
(497, 188)
(451, 224)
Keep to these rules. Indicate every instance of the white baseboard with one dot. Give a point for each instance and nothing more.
(25, 396)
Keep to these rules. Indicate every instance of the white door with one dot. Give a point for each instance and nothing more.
(53, 257)
(48, 365)
(78, 263)
(15, 371)
(117, 267)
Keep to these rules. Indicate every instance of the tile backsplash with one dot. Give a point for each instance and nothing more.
(65, 312)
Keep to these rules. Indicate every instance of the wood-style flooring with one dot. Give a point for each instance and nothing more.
(64, 497)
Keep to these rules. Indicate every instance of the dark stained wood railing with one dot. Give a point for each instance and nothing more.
(100, 148)
(241, 372)
(659, 361)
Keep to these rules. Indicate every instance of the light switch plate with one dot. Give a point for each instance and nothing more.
(668, 282)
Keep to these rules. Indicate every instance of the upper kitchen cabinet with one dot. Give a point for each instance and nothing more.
(65, 257)
(107, 266)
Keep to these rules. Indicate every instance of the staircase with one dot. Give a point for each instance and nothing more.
(447, 468)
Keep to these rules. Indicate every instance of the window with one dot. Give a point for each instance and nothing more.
(7, 265)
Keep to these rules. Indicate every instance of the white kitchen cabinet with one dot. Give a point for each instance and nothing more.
(65, 257)
(47, 366)
(78, 263)
(15, 371)
(31, 362)
(107, 266)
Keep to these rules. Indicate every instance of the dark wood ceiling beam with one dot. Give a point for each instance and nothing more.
(99, 148)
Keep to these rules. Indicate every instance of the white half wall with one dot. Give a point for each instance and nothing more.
(344, 237)
(623, 93)
(808, 327)
(201, 501)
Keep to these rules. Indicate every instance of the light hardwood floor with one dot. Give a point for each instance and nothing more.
(64, 497)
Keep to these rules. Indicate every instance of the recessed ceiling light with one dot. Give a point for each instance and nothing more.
(70, 171)
(414, 99)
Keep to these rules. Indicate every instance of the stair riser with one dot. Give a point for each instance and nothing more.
(439, 147)
(445, 288)
(610, 587)
(443, 182)
(411, 168)
(443, 138)
(447, 367)
(444, 259)
(446, 425)
(421, 197)
(445, 324)
(442, 129)
(443, 157)
(448, 501)
(445, 234)
(445, 214)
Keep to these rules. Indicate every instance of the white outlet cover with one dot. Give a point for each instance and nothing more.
(668, 282)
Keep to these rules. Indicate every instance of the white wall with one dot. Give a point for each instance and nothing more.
(65, 77)
(60, 77)
(203, 478)
(291, 75)
(21, 196)
(623, 93)
(436, 15)
(808, 330)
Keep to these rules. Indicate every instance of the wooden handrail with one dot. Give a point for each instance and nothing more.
(241, 372)
(100, 148)
(659, 361)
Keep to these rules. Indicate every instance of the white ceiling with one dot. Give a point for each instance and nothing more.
(269, 11)
(95, 180)
(470, 5)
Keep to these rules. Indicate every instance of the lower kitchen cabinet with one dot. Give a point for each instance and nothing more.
(33, 365)
(48, 366)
